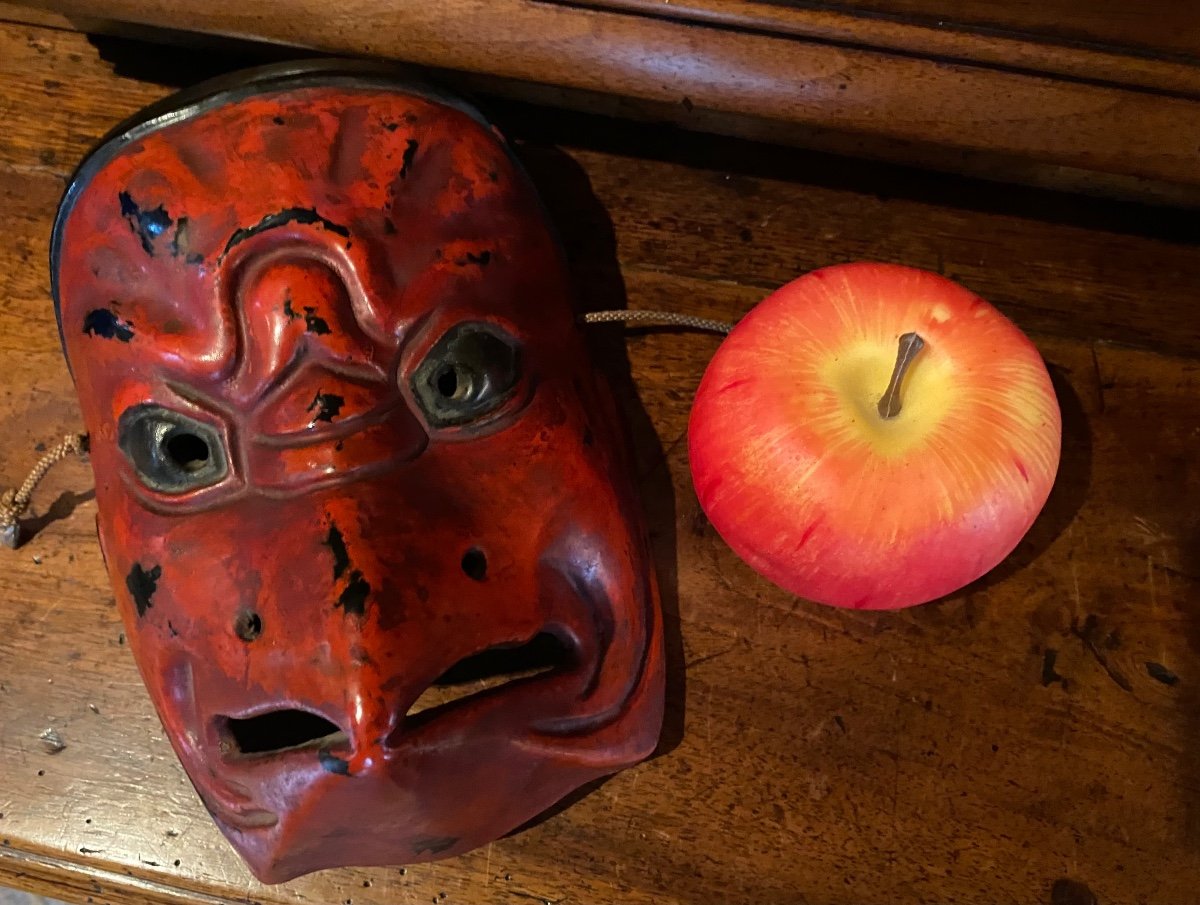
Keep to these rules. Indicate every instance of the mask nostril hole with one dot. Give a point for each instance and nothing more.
(188, 451)
(474, 564)
(275, 731)
(248, 625)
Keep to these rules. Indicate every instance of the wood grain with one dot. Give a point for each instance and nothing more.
(960, 112)
(1035, 48)
(1156, 25)
(1038, 728)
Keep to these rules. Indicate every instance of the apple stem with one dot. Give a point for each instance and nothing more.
(889, 403)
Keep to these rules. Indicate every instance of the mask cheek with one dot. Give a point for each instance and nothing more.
(600, 581)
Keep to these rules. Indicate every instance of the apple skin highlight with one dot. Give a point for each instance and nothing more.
(808, 483)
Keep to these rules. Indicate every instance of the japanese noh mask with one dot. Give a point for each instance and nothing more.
(363, 502)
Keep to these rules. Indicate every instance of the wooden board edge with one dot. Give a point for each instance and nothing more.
(1050, 133)
(85, 883)
(1032, 54)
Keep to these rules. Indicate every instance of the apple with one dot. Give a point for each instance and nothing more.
(874, 436)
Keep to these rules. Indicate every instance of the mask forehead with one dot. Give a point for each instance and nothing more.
(414, 198)
(347, 446)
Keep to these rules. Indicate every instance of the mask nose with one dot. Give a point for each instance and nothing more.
(370, 720)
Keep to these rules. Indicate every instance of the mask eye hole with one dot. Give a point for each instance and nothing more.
(188, 452)
(468, 374)
(171, 452)
(453, 383)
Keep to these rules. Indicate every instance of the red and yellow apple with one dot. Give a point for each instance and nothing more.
(874, 436)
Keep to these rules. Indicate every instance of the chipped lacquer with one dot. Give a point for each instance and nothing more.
(348, 449)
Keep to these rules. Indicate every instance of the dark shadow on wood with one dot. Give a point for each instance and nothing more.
(180, 60)
(586, 231)
(60, 509)
(736, 158)
(587, 234)
(1067, 496)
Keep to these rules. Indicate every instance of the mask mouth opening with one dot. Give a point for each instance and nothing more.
(488, 671)
(276, 731)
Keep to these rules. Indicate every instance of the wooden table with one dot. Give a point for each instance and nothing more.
(1032, 739)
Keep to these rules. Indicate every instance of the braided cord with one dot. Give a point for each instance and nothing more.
(669, 318)
(13, 503)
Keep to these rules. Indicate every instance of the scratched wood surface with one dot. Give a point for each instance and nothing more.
(1157, 25)
(1031, 739)
(1098, 41)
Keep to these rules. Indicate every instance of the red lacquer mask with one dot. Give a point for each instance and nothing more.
(351, 463)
